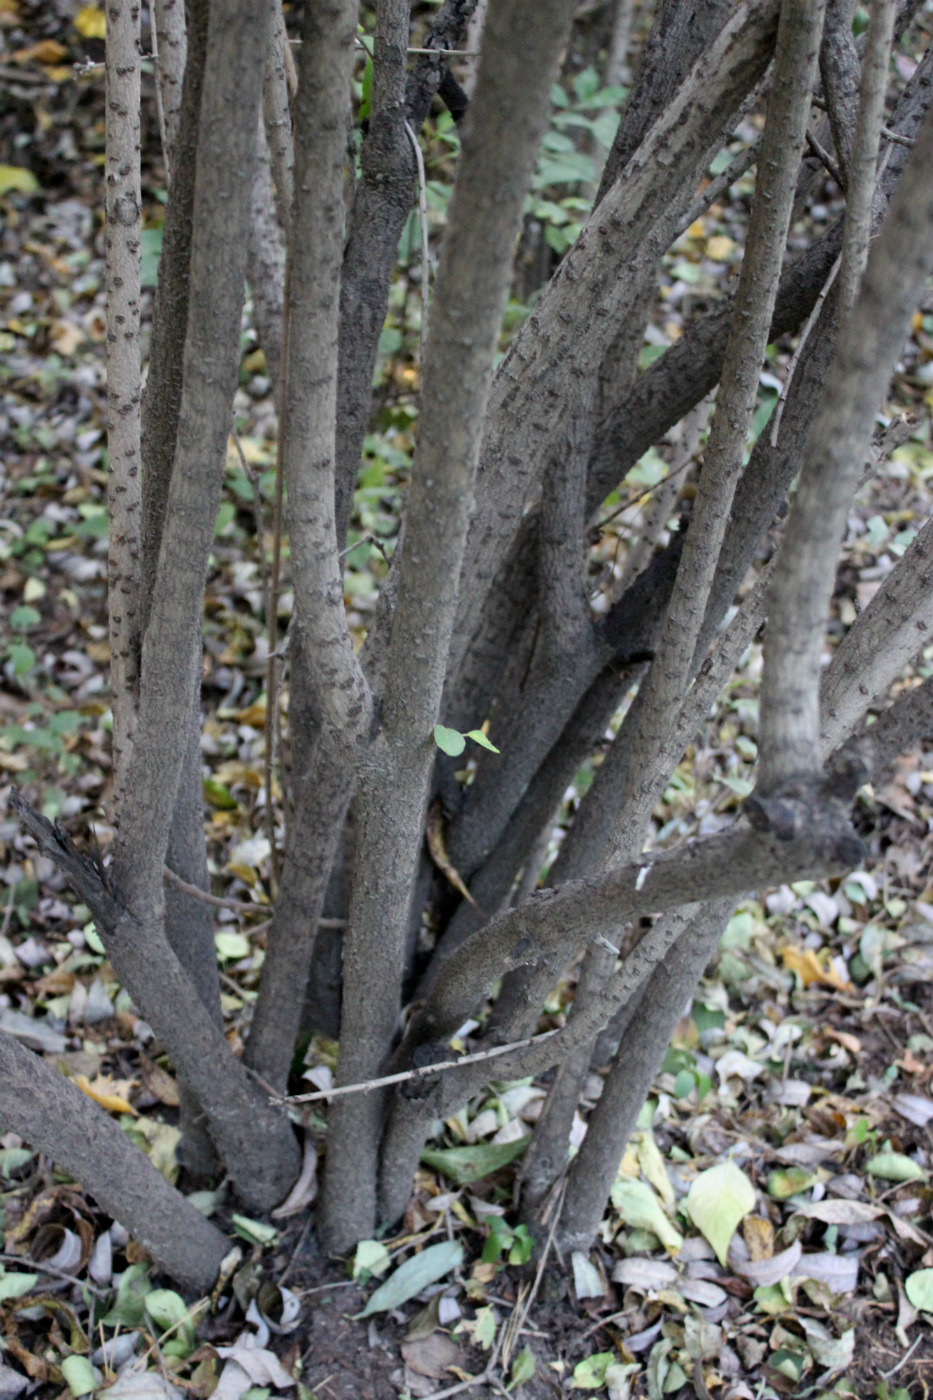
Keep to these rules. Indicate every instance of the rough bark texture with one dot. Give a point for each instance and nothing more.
(172, 42)
(871, 340)
(381, 204)
(500, 141)
(123, 211)
(170, 317)
(54, 1117)
(648, 1034)
(308, 430)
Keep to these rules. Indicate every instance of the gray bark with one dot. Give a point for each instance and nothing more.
(123, 209)
(172, 42)
(56, 1118)
(871, 340)
(561, 346)
(500, 141)
(648, 1035)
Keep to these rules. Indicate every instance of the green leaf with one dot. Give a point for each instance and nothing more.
(23, 617)
(782, 1184)
(523, 1368)
(639, 1207)
(15, 1285)
(79, 1375)
(498, 1241)
(451, 741)
(484, 1333)
(894, 1166)
(254, 1230)
(17, 177)
(717, 1201)
(416, 1273)
(169, 1312)
(366, 97)
(11, 1158)
(919, 1289)
(523, 1246)
(684, 1084)
(129, 1308)
(22, 657)
(479, 737)
(219, 795)
(371, 1258)
(232, 945)
(464, 1165)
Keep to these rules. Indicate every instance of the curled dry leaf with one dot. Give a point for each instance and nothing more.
(305, 1188)
(434, 831)
(767, 1272)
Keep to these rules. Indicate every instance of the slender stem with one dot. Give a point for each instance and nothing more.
(870, 342)
(785, 129)
(864, 159)
(124, 487)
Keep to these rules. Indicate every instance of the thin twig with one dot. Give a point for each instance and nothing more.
(825, 158)
(295, 1252)
(718, 185)
(519, 1317)
(482, 1379)
(644, 491)
(160, 108)
(896, 137)
(368, 1085)
(886, 1375)
(53, 1273)
(237, 905)
(425, 251)
(451, 53)
(188, 1316)
(272, 599)
(795, 358)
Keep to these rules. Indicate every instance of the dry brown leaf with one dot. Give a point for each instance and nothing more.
(66, 337)
(432, 1356)
(435, 835)
(843, 1038)
(160, 1084)
(46, 51)
(759, 1237)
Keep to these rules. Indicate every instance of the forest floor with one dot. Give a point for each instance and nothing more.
(806, 1055)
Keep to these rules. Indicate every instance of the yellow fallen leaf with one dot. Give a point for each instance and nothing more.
(66, 337)
(696, 229)
(720, 247)
(9, 14)
(256, 452)
(91, 23)
(807, 966)
(253, 715)
(17, 177)
(244, 873)
(109, 1093)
